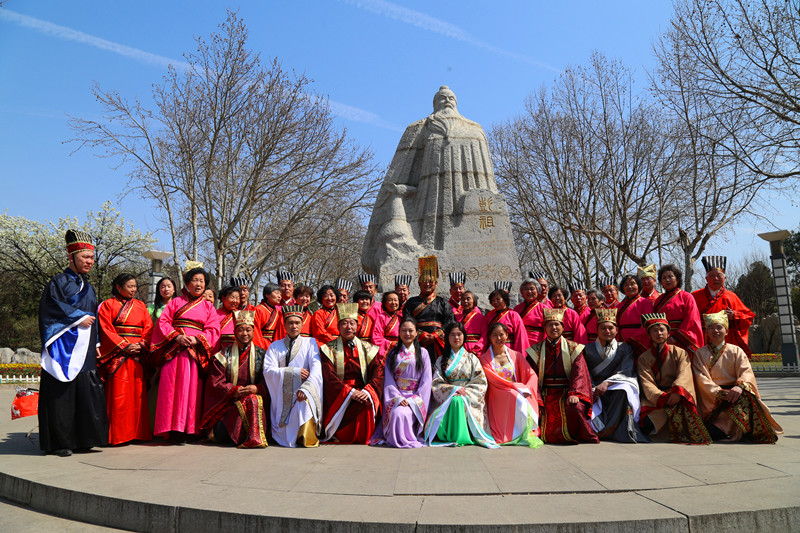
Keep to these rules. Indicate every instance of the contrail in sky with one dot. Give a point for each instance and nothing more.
(432, 24)
(68, 34)
(62, 32)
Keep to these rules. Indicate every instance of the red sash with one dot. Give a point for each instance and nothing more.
(425, 303)
(711, 299)
(664, 299)
(624, 307)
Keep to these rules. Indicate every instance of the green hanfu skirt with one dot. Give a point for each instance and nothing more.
(454, 426)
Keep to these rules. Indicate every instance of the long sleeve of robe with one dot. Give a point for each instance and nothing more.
(747, 418)
(658, 378)
(738, 326)
(402, 426)
(684, 318)
(123, 323)
(282, 377)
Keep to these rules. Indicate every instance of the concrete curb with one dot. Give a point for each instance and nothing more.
(151, 517)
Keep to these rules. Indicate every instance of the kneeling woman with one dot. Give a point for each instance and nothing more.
(406, 391)
(457, 396)
(512, 400)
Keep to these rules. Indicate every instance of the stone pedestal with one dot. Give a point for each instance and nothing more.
(479, 243)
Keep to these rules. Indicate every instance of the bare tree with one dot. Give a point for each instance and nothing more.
(745, 57)
(717, 183)
(242, 157)
(588, 172)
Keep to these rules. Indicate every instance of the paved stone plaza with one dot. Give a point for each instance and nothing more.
(605, 487)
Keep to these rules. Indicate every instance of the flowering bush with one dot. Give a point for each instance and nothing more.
(16, 369)
(766, 358)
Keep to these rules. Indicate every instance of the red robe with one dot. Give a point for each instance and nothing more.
(531, 314)
(308, 318)
(653, 296)
(346, 420)
(475, 326)
(457, 310)
(366, 322)
(517, 336)
(221, 386)
(269, 325)
(562, 373)
(325, 325)
(124, 322)
(739, 326)
(629, 323)
(684, 318)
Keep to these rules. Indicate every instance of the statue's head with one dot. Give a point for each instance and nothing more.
(444, 98)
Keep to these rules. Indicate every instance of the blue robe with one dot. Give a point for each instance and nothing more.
(72, 405)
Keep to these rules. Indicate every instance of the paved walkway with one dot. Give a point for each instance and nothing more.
(605, 487)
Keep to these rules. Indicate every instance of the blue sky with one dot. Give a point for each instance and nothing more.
(379, 62)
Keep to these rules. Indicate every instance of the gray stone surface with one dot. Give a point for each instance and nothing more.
(439, 197)
(14, 517)
(24, 356)
(6, 355)
(598, 488)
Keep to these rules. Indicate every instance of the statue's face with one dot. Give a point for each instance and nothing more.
(444, 99)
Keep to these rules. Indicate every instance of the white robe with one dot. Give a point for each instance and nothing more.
(283, 380)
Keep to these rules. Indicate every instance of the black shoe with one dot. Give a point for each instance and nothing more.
(63, 452)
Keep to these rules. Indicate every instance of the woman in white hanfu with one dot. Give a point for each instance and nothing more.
(458, 397)
(293, 375)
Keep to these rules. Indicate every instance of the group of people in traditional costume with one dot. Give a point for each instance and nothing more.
(405, 371)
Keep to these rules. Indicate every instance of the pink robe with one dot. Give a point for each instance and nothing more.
(573, 327)
(684, 318)
(501, 394)
(386, 330)
(629, 323)
(517, 336)
(532, 319)
(475, 325)
(180, 389)
(226, 329)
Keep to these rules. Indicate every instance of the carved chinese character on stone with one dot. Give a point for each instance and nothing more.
(439, 197)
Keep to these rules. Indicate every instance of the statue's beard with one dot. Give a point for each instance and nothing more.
(444, 120)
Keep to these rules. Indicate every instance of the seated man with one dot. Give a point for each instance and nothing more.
(726, 389)
(669, 412)
(352, 375)
(564, 383)
(293, 374)
(615, 412)
(235, 393)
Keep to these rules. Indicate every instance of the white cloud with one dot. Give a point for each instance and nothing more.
(68, 34)
(360, 115)
(435, 25)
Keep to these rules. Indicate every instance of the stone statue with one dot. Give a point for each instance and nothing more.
(439, 197)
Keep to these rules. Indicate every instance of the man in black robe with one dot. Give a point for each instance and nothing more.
(614, 382)
(432, 313)
(72, 404)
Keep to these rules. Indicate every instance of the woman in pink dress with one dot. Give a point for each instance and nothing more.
(512, 397)
(183, 343)
(386, 330)
(503, 314)
(629, 315)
